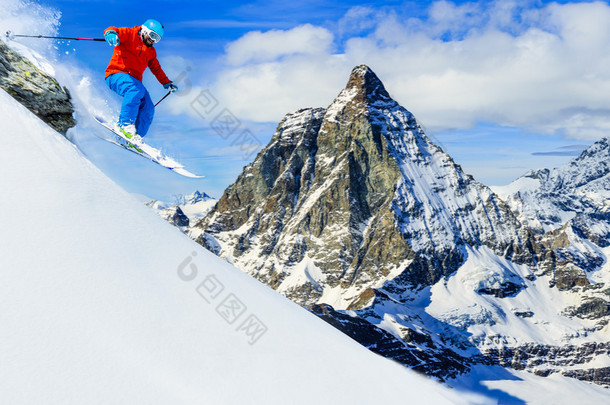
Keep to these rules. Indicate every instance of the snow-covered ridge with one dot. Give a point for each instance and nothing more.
(429, 182)
(546, 199)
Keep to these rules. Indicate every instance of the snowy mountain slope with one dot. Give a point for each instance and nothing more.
(546, 199)
(103, 302)
(569, 207)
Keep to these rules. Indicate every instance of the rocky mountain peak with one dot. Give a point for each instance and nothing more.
(193, 198)
(364, 81)
(599, 150)
(363, 90)
(353, 196)
(593, 165)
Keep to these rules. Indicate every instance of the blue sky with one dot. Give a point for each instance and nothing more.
(504, 86)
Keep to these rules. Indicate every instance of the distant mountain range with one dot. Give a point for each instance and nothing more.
(353, 212)
(182, 210)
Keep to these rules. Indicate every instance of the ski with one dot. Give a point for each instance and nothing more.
(145, 150)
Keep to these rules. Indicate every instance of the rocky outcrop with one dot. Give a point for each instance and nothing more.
(599, 376)
(175, 216)
(415, 350)
(37, 91)
(420, 352)
(591, 308)
(545, 360)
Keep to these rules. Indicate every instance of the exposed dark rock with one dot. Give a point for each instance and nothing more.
(175, 216)
(593, 308)
(363, 300)
(569, 276)
(416, 351)
(507, 289)
(524, 314)
(544, 373)
(37, 91)
(595, 375)
(544, 360)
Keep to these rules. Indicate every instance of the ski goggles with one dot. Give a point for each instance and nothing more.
(151, 34)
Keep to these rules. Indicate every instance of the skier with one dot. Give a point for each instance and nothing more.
(133, 52)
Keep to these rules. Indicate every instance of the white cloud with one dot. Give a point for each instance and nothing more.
(446, 16)
(257, 46)
(356, 20)
(546, 69)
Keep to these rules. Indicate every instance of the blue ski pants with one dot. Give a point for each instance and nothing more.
(137, 107)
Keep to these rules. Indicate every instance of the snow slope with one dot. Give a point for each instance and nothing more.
(103, 302)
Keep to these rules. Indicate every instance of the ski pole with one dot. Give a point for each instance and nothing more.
(11, 35)
(164, 97)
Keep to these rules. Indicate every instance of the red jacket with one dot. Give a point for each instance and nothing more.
(132, 56)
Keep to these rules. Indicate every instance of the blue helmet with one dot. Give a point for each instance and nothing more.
(154, 29)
